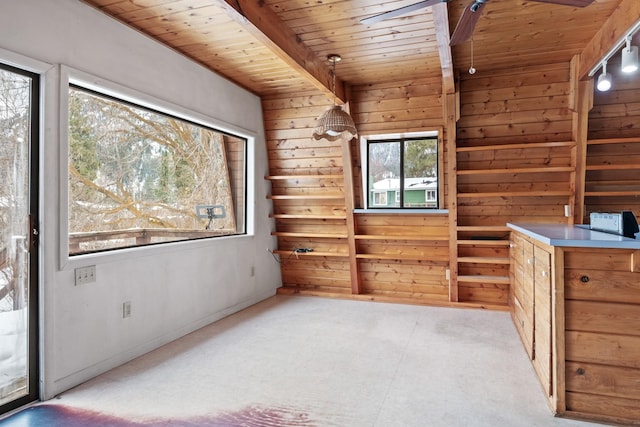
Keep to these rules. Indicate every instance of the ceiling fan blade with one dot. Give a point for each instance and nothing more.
(400, 11)
(467, 22)
(574, 3)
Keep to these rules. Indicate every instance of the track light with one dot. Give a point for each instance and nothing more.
(629, 57)
(604, 81)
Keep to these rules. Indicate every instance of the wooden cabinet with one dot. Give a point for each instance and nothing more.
(602, 338)
(542, 357)
(577, 310)
(531, 304)
(522, 297)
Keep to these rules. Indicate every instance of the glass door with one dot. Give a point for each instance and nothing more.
(19, 117)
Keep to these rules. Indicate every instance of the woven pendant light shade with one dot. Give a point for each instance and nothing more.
(335, 124)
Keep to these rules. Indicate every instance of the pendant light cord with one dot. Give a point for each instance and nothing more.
(334, 81)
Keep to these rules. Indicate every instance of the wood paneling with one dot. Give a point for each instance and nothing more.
(402, 256)
(601, 333)
(276, 46)
(400, 106)
(514, 161)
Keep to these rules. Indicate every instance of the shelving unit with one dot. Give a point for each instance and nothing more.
(310, 212)
(311, 254)
(490, 179)
(612, 175)
(306, 197)
(302, 216)
(313, 235)
(400, 237)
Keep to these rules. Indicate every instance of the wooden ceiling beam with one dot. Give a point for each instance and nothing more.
(609, 35)
(265, 25)
(441, 21)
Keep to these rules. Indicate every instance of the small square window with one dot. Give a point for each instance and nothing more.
(408, 167)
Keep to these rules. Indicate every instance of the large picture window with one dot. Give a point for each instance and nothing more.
(140, 177)
(406, 168)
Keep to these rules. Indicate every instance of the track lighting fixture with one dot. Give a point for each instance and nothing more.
(629, 57)
(604, 80)
(629, 63)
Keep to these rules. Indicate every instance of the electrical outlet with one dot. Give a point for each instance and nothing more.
(253, 271)
(126, 309)
(85, 275)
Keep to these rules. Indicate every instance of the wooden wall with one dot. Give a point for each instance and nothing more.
(308, 195)
(612, 181)
(400, 257)
(515, 161)
(514, 164)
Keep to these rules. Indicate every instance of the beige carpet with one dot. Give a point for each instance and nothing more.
(299, 361)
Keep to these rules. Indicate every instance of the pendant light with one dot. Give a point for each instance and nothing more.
(335, 123)
(629, 57)
(604, 80)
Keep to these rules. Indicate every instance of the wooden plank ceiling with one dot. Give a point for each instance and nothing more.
(301, 33)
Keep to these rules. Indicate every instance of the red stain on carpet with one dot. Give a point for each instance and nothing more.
(64, 416)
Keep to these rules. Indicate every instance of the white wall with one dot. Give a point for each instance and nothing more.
(173, 289)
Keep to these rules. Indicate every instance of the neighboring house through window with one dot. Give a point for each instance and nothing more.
(408, 167)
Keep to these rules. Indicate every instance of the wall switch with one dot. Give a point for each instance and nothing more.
(253, 271)
(85, 275)
(126, 309)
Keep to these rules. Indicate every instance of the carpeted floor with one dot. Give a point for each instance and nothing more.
(296, 361)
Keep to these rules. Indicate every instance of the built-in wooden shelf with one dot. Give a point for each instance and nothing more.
(482, 242)
(612, 193)
(306, 197)
(284, 177)
(317, 235)
(302, 216)
(311, 254)
(483, 228)
(546, 169)
(612, 141)
(503, 280)
(483, 260)
(400, 237)
(516, 194)
(612, 167)
(614, 185)
(402, 257)
(516, 146)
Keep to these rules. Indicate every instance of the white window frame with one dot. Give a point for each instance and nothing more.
(380, 193)
(69, 76)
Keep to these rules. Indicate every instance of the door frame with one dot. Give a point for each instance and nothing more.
(8, 63)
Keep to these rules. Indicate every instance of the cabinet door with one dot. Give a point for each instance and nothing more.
(522, 290)
(542, 318)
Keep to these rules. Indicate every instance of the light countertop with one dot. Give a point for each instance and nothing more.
(574, 236)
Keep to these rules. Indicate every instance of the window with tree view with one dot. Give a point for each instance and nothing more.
(403, 173)
(140, 177)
